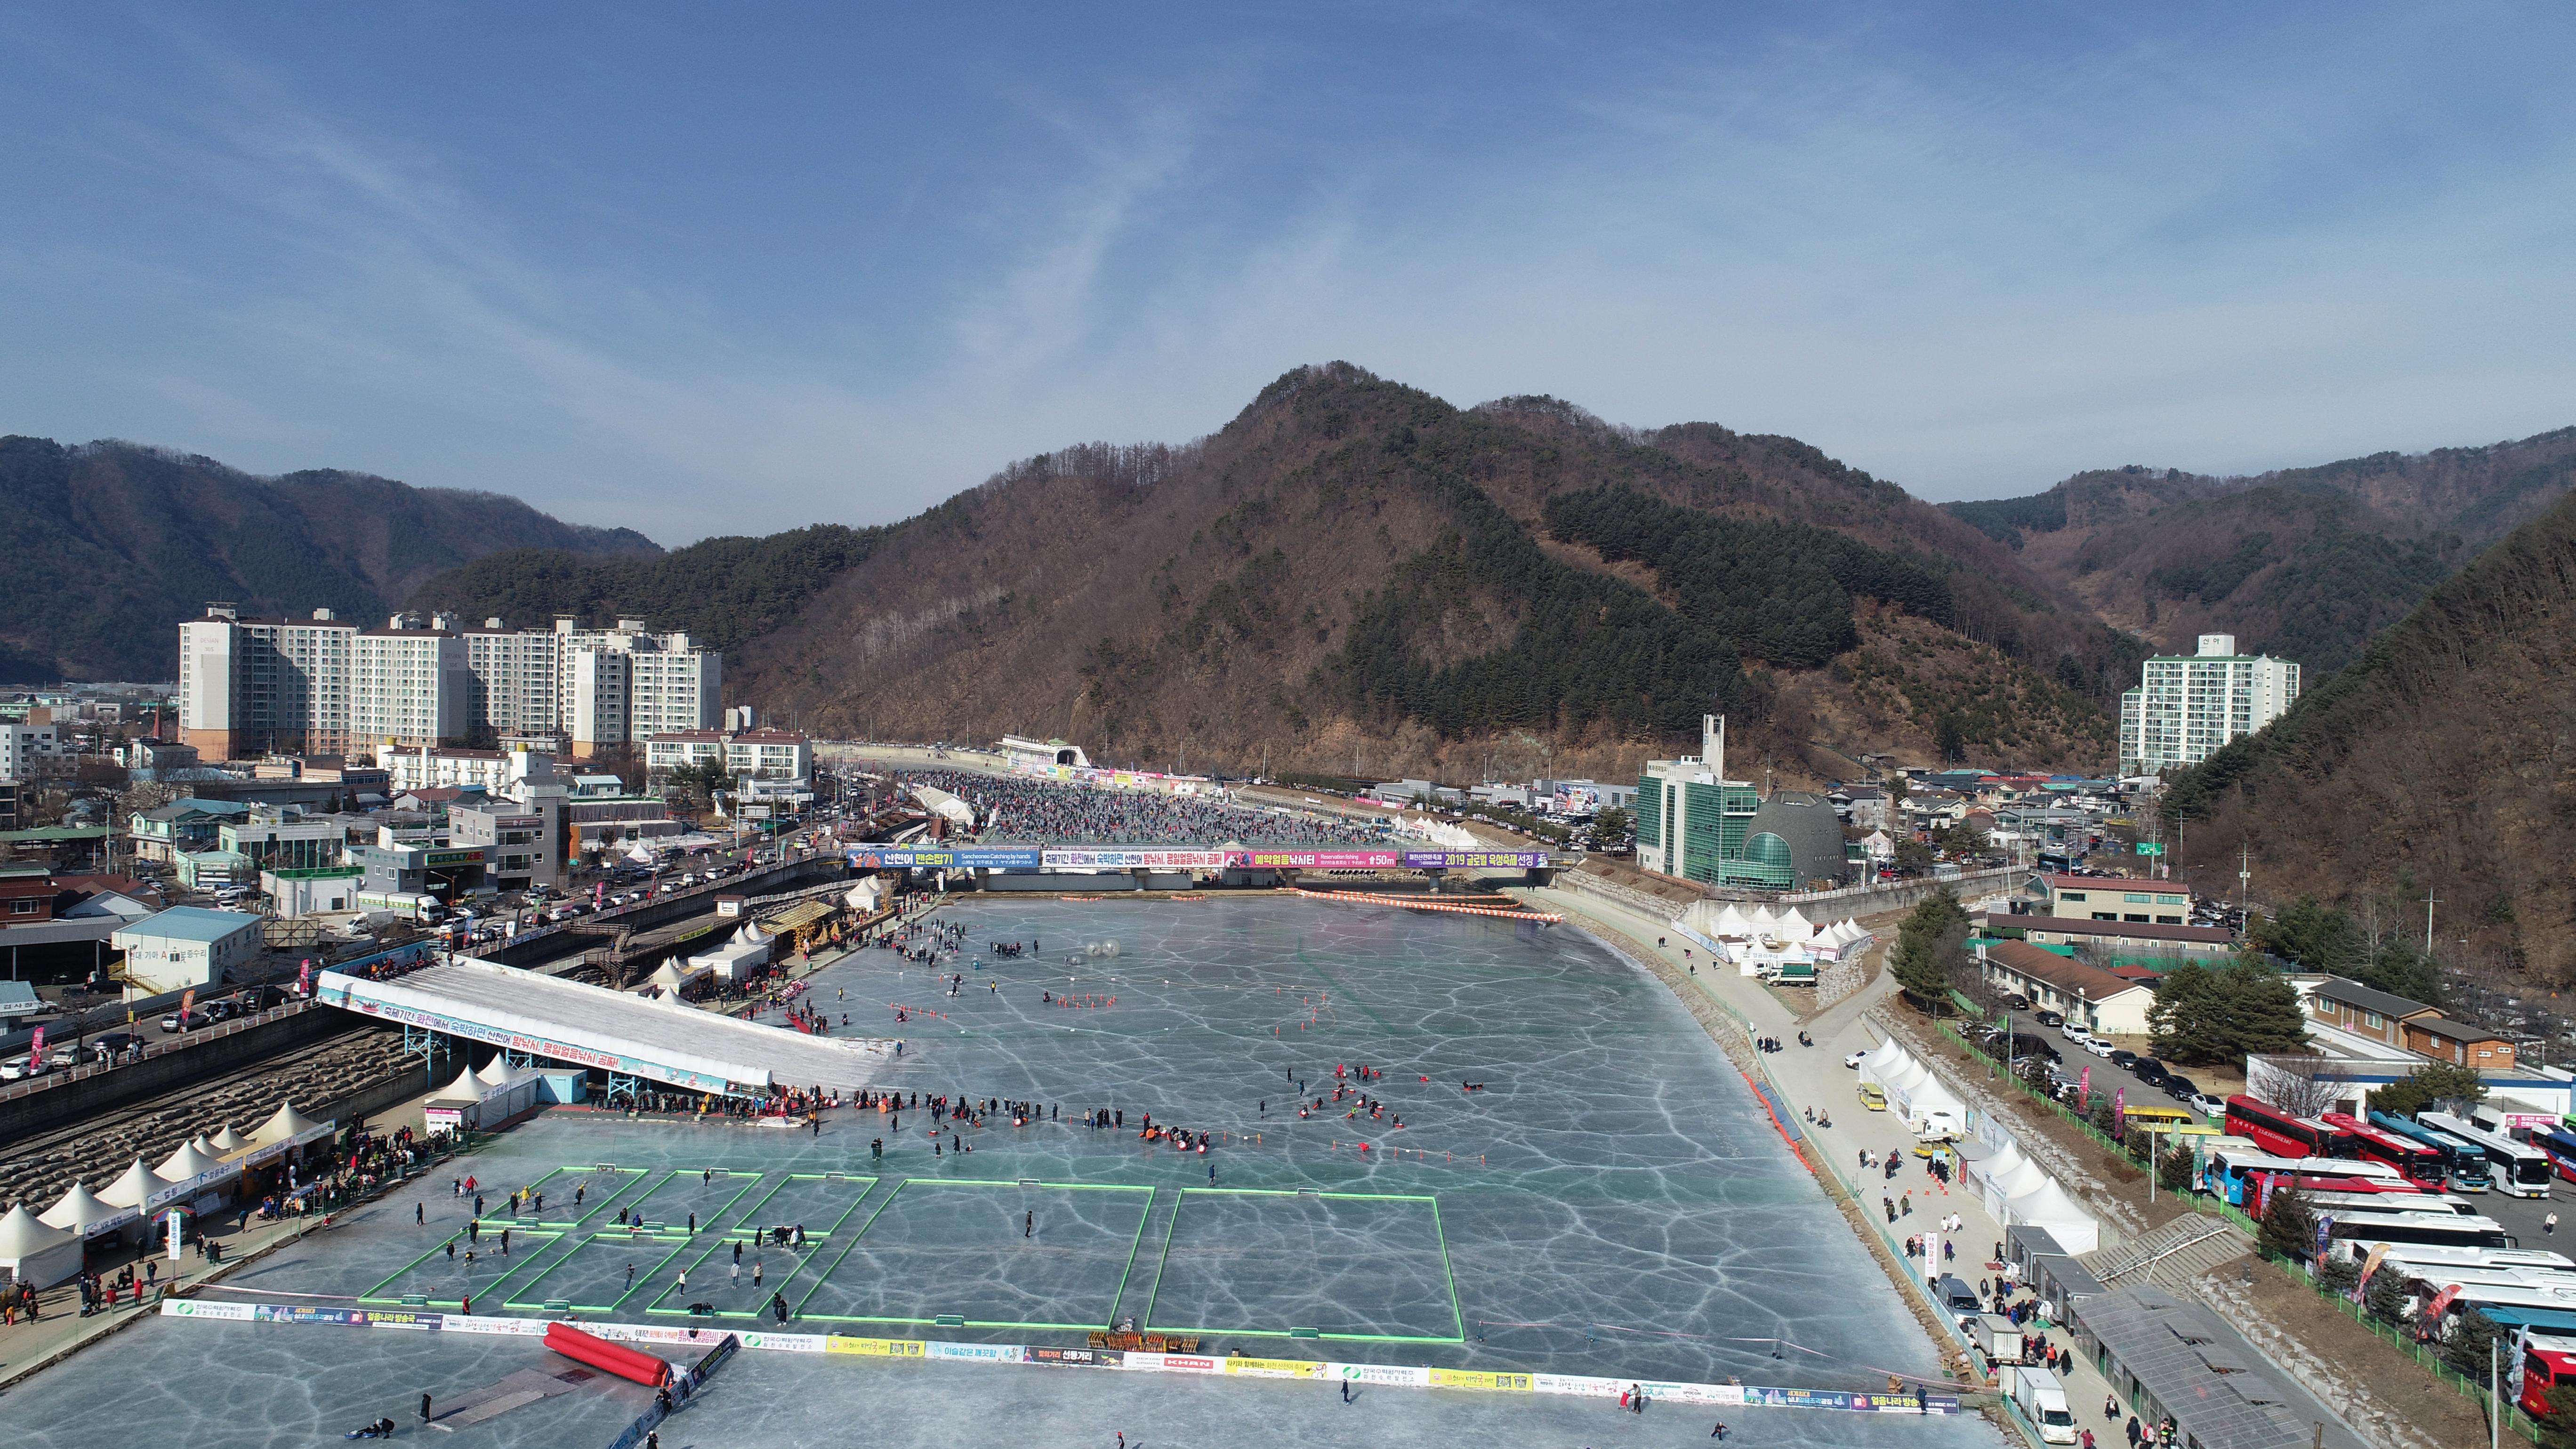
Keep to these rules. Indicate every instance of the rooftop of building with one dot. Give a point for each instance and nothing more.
(2127, 930)
(2073, 977)
(192, 923)
(2353, 993)
(2458, 1031)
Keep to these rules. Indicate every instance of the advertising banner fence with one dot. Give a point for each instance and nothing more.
(1388, 1375)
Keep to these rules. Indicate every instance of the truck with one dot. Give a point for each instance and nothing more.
(2043, 1401)
(408, 905)
(1997, 1337)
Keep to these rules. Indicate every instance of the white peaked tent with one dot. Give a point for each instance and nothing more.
(135, 1188)
(2047, 1206)
(188, 1162)
(285, 1125)
(750, 934)
(466, 1091)
(1732, 922)
(227, 1142)
(1759, 921)
(496, 1072)
(35, 1253)
(81, 1210)
(1791, 926)
(1881, 1060)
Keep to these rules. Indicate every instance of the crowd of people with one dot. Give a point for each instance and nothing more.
(1034, 812)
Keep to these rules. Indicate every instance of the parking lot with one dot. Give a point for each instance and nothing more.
(2109, 1075)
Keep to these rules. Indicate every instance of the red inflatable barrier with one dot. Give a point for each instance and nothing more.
(599, 1353)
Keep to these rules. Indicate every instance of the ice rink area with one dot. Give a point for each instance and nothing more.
(1611, 1201)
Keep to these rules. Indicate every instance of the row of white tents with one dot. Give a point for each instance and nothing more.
(45, 1248)
(1759, 943)
(2016, 1190)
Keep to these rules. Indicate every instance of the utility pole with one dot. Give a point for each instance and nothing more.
(2429, 898)
(2245, 880)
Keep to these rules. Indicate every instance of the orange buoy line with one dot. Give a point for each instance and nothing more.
(1414, 905)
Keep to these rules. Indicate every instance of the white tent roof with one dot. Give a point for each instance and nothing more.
(78, 1208)
(2047, 1206)
(1732, 922)
(286, 1123)
(1761, 918)
(465, 1091)
(138, 1183)
(22, 1235)
(750, 934)
(187, 1162)
(228, 1141)
(1881, 1061)
(1793, 925)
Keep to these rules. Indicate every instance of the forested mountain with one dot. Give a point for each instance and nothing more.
(1354, 575)
(112, 544)
(2435, 765)
(2308, 563)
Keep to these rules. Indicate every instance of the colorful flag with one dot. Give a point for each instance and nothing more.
(2119, 1108)
(2084, 1090)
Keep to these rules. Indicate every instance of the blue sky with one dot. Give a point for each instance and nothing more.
(721, 269)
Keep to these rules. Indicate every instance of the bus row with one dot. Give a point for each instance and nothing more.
(2437, 1151)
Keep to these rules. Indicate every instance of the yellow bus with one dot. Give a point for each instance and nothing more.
(2168, 1119)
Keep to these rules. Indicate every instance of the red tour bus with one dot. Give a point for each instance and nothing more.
(2416, 1162)
(2548, 1360)
(2283, 1135)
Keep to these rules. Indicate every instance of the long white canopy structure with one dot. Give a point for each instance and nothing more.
(622, 1034)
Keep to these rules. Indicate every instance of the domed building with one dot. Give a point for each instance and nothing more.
(1793, 840)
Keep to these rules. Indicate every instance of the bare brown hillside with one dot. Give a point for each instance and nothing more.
(1204, 614)
(2307, 563)
(2440, 763)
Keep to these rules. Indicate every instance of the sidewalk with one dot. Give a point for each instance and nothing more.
(1804, 1077)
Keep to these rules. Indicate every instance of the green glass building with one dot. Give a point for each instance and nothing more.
(1694, 823)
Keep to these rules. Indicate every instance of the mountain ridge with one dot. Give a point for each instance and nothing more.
(134, 539)
(2307, 563)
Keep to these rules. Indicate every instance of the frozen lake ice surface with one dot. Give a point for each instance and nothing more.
(1612, 1202)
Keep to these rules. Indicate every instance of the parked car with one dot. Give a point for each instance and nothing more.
(185, 1021)
(2017, 1002)
(2210, 1107)
(2149, 1071)
(2097, 1046)
(2178, 1087)
(21, 1067)
(2074, 1033)
(113, 1042)
(2048, 1018)
(2127, 1059)
(1855, 1059)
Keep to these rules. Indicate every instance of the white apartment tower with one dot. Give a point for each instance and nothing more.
(2187, 706)
(252, 685)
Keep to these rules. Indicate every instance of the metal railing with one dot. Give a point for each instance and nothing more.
(151, 1050)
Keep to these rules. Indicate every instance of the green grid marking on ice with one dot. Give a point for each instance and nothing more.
(1134, 1244)
(750, 1221)
(1255, 1256)
(586, 1277)
(686, 1190)
(424, 1276)
(749, 1297)
(599, 1185)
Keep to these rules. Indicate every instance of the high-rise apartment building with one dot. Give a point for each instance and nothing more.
(324, 684)
(2187, 706)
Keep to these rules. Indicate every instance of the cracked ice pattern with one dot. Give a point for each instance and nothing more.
(1614, 1202)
